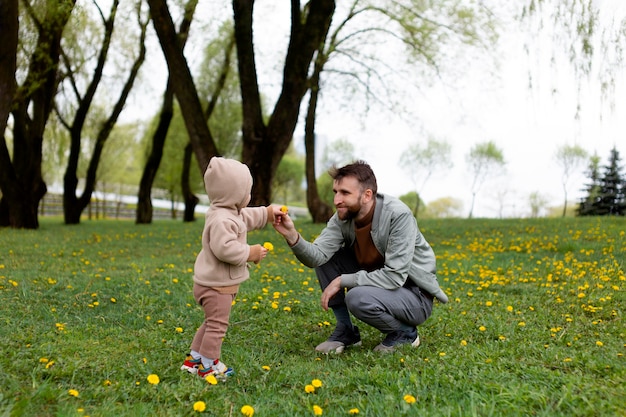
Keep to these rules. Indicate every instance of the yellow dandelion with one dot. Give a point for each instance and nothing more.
(247, 410)
(489, 303)
(316, 383)
(442, 354)
(73, 393)
(268, 246)
(599, 343)
(309, 389)
(106, 383)
(284, 209)
(211, 379)
(482, 328)
(521, 324)
(509, 308)
(265, 368)
(409, 399)
(153, 379)
(353, 411)
(287, 309)
(199, 406)
(179, 330)
(567, 360)
(317, 410)
(113, 300)
(463, 342)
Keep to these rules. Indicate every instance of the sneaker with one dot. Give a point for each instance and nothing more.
(399, 337)
(218, 370)
(341, 338)
(191, 365)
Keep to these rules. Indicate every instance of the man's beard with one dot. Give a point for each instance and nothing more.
(350, 213)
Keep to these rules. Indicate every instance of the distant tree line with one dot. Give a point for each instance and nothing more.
(606, 190)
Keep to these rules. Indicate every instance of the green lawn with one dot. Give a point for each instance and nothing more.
(534, 326)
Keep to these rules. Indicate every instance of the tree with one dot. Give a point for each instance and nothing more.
(264, 144)
(537, 203)
(9, 23)
(592, 188)
(153, 161)
(21, 180)
(74, 205)
(570, 158)
(351, 53)
(612, 201)
(422, 162)
(484, 160)
(183, 84)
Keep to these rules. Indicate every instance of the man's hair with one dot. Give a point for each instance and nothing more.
(359, 170)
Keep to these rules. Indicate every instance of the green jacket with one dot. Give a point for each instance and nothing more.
(393, 229)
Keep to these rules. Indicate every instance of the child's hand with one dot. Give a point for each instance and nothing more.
(257, 253)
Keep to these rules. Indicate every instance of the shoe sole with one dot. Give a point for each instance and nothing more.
(190, 369)
(338, 349)
(388, 349)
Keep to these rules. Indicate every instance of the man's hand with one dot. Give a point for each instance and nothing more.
(329, 292)
(285, 226)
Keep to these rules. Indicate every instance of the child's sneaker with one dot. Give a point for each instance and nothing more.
(221, 370)
(191, 365)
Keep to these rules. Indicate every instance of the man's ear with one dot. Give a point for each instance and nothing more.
(368, 194)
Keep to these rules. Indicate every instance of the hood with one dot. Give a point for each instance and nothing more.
(228, 183)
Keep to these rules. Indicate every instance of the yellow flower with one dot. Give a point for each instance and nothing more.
(317, 410)
(268, 246)
(247, 410)
(463, 342)
(73, 393)
(599, 343)
(179, 330)
(509, 308)
(265, 368)
(153, 379)
(284, 209)
(482, 328)
(211, 379)
(354, 411)
(199, 406)
(409, 399)
(309, 389)
(316, 383)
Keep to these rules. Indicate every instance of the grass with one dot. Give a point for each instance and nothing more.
(534, 326)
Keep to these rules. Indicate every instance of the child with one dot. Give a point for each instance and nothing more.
(222, 264)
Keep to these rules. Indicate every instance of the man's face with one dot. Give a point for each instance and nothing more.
(348, 197)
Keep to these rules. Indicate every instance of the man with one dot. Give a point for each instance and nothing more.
(372, 247)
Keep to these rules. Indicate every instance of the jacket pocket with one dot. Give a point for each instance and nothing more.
(238, 272)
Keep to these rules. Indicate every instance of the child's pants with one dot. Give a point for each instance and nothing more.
(216, 306)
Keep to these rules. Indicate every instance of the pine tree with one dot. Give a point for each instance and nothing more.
(586, 206)
(605, 195)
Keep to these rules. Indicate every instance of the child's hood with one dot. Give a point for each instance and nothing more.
(228, 183)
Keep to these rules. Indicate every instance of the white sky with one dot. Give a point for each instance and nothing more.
(528, 125)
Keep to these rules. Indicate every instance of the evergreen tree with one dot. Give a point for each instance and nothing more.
(609, 198)
(592, 189)
(612, 200)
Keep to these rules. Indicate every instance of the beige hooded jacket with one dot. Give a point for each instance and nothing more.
(223, 260)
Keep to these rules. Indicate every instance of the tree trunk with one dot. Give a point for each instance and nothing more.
(8, 59)
(264, 146)
(191, 201)
(182, 82)
(144, 198)
(20, 179)
(73, 205)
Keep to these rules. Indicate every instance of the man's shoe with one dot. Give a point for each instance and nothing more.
(399, 337)
(342, 337)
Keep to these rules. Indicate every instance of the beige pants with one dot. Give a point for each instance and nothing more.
(216, 306)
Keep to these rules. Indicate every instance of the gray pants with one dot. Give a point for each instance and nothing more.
(385, 310)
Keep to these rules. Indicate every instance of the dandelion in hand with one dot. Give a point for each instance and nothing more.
(284, 209)
(268, 246)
